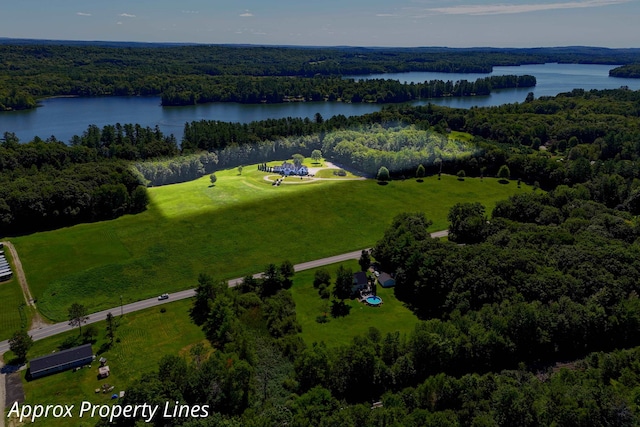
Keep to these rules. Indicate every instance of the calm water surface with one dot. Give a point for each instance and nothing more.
(65, 117)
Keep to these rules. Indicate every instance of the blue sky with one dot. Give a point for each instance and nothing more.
(454, 23)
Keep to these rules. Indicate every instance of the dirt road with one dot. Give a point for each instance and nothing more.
(37, 321)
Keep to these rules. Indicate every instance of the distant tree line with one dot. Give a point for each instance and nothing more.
(31, 71)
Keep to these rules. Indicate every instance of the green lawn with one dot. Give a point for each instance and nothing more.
(391, 316)
(145, 337)
(14, 313)
(228, 230)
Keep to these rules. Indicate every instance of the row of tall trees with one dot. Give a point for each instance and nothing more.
(253, 90)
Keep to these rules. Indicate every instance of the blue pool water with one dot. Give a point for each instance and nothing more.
(373, 300)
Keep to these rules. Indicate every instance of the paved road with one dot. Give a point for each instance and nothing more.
(57, 328)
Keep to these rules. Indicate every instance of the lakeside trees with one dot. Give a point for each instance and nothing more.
(190, 74)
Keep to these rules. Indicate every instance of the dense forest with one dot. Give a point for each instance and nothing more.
(47, 184)
(190, 73)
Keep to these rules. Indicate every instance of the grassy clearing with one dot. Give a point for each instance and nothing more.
(330, 173)
(14, 314)
(228, 230)
(145, 337)
(391, 316)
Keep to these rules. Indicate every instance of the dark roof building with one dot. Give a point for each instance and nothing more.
(61, 361)
(386, 281)
(360, 281)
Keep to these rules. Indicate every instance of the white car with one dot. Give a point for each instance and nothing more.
(163, 296)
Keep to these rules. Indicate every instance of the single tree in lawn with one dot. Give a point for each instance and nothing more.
(239, 170)
(504, 173)
(213, 178)
(461, 174)
(420, 172)
(316, 155)
(383, 174)
(365, 260)
(321, 277)
(78, 315)
(111, 328)
(344, 280)
(20, 343)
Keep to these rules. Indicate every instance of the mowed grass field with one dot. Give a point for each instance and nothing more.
(14, 314)
(391, 316)
(228, 230)
(145, 337)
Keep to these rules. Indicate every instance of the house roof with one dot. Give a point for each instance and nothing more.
(360, 278)
(60, 358)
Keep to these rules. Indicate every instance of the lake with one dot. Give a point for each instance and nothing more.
(65, 117)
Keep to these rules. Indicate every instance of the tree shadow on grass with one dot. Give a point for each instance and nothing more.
(339, 309)
(419, 180)
(503, 181)
(12, 366)
(383, 183)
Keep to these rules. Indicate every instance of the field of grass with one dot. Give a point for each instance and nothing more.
(14, 313)
(145, 337)
(329, 173)
(391, 316)
(231, 229)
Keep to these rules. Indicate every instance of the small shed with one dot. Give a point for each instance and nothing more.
(386, 281)
(61, 361)
(103, 372)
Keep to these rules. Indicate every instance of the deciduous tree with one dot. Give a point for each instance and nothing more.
(316, 155)
(78, 315)
(365, 260)
(383, 174)
(20, 343)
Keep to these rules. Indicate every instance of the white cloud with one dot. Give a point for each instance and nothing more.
(83, 14)
(501, 9)
(127, 15)
(119, 23)
(246, 14)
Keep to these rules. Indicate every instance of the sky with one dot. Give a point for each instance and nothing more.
(402, 23)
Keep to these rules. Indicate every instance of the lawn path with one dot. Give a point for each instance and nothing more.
(36, 321)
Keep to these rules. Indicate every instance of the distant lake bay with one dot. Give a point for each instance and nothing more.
(65, 117)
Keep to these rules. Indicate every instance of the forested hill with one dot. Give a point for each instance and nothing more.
(29, 72)
(630, 71)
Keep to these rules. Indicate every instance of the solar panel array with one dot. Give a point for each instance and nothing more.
(5, 268)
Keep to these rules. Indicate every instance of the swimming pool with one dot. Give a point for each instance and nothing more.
(374, 300)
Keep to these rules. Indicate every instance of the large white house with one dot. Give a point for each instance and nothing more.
(288, 169)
